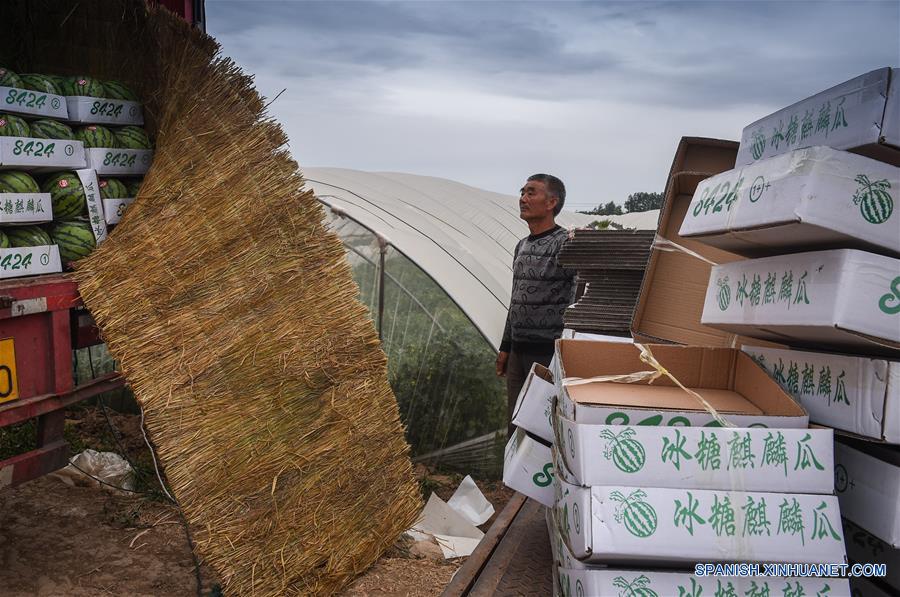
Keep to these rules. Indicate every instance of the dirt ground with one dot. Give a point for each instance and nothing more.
(59, 540)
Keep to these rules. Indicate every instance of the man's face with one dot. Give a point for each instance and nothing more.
(535, 203)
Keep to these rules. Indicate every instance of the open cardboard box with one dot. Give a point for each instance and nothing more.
(867, 481)
(809, 199)
(852, 394)
(674, 286)
(528, 467)
(728, 379)
(535, 403)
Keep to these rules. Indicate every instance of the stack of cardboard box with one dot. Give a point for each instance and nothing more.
(700, 450)
(647, 479)
(610, 264)
(812, 204)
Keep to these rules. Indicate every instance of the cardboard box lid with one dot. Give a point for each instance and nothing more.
(727, 377)
(674, 286)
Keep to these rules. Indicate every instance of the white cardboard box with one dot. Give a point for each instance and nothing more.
(646, 526)
(641, 583)
(535, 403)
(743, 394)
(754, 459)
(562, 557)
(863, 547)
(528, 468)
(814, 197)
(840, 298)
(25, 208)
(29, 261)
(93, 110)
(35, 155)
(32, 103)
(854, 114)
(869, 488)
(91, 186)
(856, 394)
(114, 208)
(122, 162)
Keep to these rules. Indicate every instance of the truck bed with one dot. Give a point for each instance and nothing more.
(514, 558)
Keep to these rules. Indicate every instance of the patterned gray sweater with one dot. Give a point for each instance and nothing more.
(541, 292)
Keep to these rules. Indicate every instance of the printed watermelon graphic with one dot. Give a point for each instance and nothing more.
(758, 148)
(639, 587)
(724, 293)
(638, 516)
(875, 202)
(626, 452)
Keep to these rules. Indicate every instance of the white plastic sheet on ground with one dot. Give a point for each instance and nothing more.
(108, 467)
(471, 503)
(456, 536)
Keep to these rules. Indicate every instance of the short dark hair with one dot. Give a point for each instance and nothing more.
(556, 188)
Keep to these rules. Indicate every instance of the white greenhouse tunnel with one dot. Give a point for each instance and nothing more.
(461, 236)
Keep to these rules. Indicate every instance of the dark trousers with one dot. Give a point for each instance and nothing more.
(517, 367)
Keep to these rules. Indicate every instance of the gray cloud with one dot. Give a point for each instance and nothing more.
(437, 75)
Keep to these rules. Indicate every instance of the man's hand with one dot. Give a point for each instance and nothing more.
(502, 357)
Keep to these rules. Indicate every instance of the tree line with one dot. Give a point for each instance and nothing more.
(636, 202)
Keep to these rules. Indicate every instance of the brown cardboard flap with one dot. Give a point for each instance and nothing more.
(726, 377)
(674, 286)
(674, 398)
(693, 366)
(543, 372)
(752, 380)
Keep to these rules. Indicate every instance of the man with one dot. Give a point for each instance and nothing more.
(541, 288)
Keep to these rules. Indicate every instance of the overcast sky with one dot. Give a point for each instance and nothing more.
(486, 93)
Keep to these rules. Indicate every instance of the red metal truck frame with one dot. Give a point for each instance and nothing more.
(36, 312)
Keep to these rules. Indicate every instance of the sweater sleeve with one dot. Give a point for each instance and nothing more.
(506, 343)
